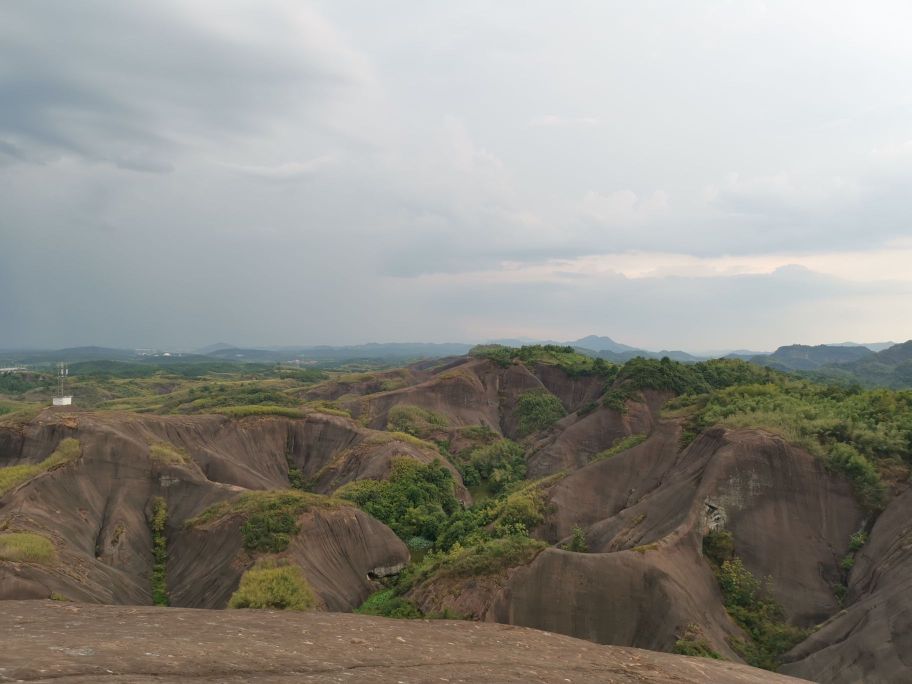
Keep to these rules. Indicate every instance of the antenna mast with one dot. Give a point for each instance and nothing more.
(62, 399)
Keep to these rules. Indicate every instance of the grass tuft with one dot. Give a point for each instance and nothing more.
(165, 453)
(12, 476)
(414, 420)
(27, 547)
(259, 410)
(387, 437)
(622, 444)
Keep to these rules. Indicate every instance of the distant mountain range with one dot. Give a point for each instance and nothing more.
(876, 364)
(873, 346)
(804, 357)
(890, 367)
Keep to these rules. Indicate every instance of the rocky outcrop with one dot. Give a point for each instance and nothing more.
(466, 394)
(645, 512)
(575, 440)
(339, 548)
(139, 645)
(97, 510)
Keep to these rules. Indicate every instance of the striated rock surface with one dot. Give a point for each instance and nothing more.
(78, 644)
(97, 509)
(871, 640)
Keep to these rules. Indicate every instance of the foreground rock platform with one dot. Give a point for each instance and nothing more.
(48, 641)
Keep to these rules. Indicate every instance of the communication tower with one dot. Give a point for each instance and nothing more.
(62, 399)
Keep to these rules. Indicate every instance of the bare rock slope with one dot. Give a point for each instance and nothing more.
(97, 508)
(871, 640)
(72, 643)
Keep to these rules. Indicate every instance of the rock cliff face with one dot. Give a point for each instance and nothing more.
(97, 509)
(645, 513)
(479, 392)
(871, 640)
(340, 550)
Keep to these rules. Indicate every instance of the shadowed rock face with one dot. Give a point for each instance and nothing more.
(871, 640)
(645, 512)
(575, 440)
(44, 641)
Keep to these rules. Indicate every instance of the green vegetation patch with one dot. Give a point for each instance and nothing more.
(270, 516)
(689, 380)
(416, 501)
(750, 603)
(387, 437)
(386, 603)
(489, 557)
(19, 413)
(857, 433)
(414, 420)
(269, 584)
(19, 383)
(259, 410)
(167, 453)
(12, 476)
(718, 547)
(693, 379)
(616, 398)
(517, 511)
(578, 543)
(448, 540)
(328, 407)
(521, 509)
(568, 359)
(165, 385)
(158, 524)
(498, 464)
(620, 445)
(537, 410)
(663, 374)
(847, 460)
(856, 541)
(27, 547)
(694, 643)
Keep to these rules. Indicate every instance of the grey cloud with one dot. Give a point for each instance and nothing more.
(288, 172)
(284, 172)
(117, 82)
(790, 305)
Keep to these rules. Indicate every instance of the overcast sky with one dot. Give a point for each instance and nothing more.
(696, 175)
